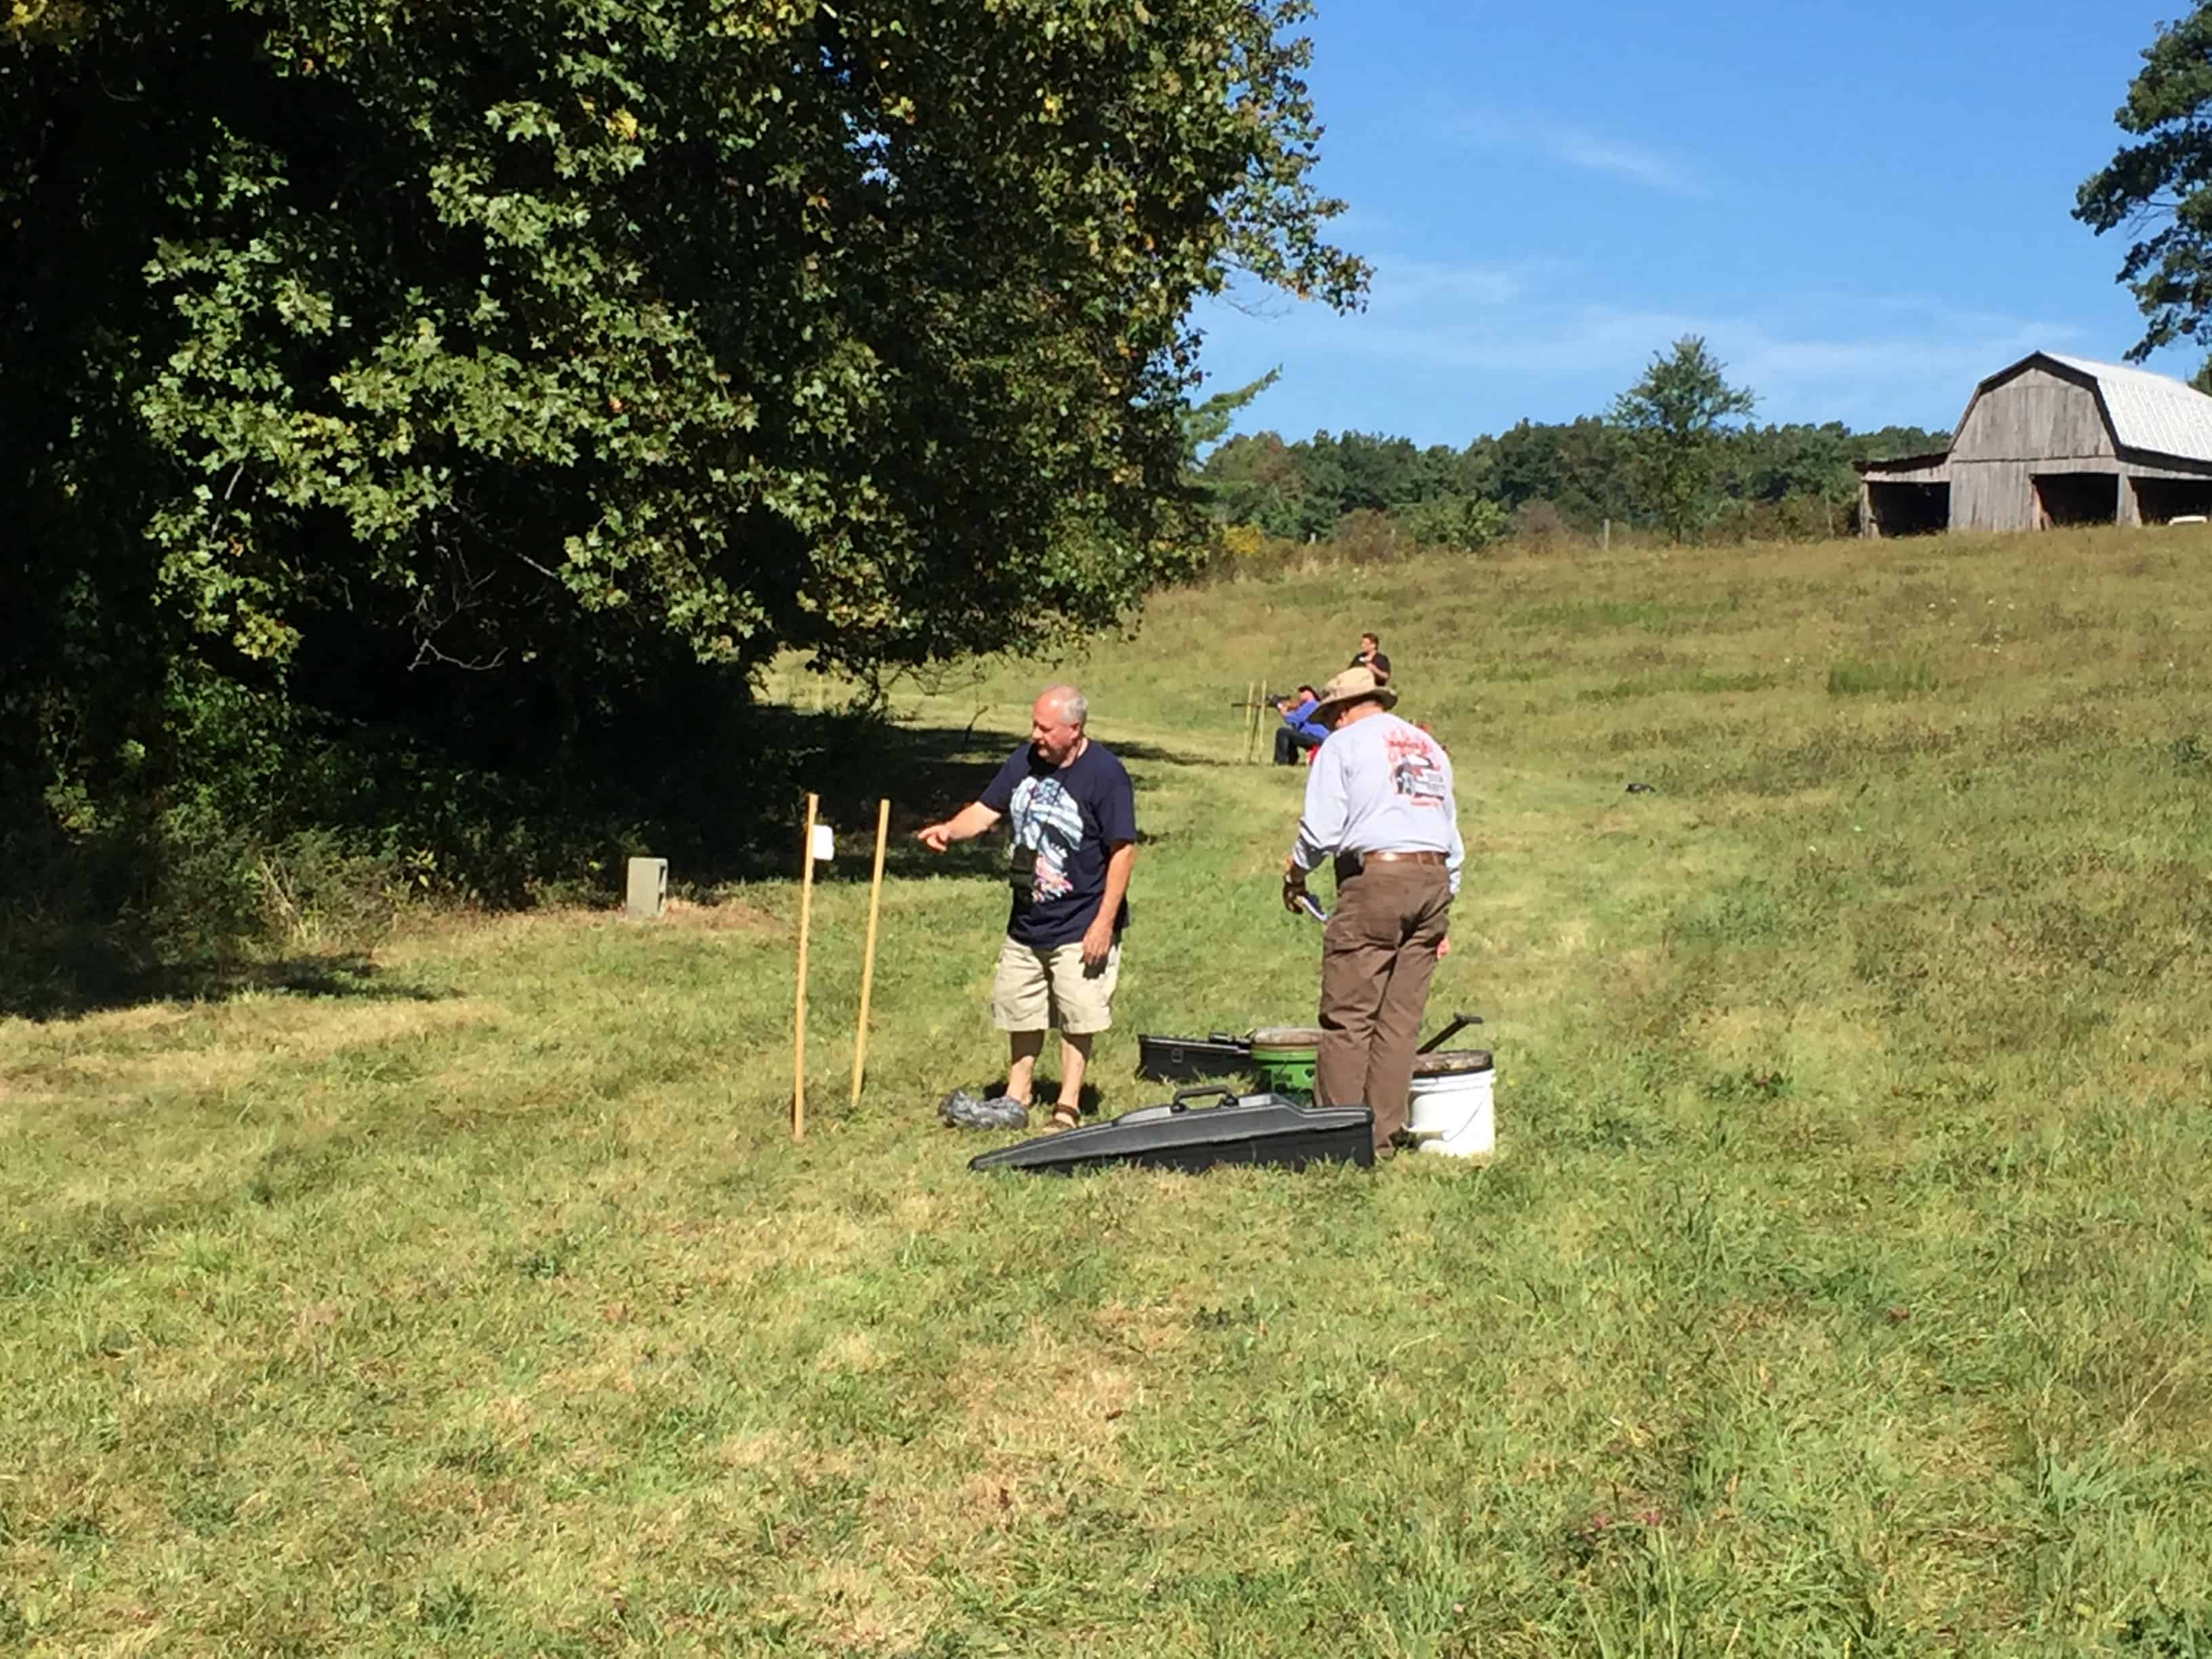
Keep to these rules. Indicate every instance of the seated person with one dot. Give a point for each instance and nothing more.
(1299, 730)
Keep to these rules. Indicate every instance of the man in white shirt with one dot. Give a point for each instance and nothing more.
(1379, 803)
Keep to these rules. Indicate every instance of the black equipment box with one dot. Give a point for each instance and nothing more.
(1262, 1129)
(1191, 1060)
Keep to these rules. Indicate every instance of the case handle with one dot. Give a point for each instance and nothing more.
(1184, 1096)
(1459, 1023)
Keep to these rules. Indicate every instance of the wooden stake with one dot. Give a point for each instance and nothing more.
(799, 1011)
(1252, 734)
(868, 955)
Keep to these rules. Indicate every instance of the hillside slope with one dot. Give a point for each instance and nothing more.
(1840, 1287)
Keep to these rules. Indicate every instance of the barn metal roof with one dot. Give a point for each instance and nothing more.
(2148, 411)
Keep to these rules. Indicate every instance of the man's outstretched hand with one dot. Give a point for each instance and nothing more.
(935, 837)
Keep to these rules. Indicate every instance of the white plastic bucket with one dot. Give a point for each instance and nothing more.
(1450, 1114)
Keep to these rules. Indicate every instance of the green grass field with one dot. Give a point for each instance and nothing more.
(1842, 1287)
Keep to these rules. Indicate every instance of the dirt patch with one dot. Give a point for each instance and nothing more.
(855, 1351)
(1052, 1401)
(730, 915)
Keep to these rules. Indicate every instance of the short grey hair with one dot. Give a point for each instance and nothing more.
(1074, 707)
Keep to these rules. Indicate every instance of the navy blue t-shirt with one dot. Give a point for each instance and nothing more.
(1063, 821)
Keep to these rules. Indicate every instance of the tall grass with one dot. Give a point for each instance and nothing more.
(1839, 1288)
(1852, 677)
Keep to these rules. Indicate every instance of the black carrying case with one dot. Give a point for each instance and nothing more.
(1258, 1129)
(1191, 1060)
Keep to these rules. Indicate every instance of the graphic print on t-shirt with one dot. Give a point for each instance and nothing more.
(1415, 770)
(1049, 820)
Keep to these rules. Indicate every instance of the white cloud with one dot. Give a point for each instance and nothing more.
(1601, 154)
(1580, 147)
(1475, 346)
(1406, 284)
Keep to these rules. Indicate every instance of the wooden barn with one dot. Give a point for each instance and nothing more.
(2053, 440)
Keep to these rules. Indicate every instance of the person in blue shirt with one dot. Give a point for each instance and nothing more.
(1299, 730)
(1074, 823)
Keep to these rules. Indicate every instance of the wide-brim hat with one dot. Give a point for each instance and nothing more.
(1356, 685)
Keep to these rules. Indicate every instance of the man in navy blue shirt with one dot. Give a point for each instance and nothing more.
(1075, 841)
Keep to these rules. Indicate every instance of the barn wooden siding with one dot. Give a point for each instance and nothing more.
(2036, 421)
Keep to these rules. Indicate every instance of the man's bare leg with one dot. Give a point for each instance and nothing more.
(1024, 1046)
(1074, 1055)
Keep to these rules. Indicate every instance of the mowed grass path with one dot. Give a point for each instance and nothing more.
(1842, 1287)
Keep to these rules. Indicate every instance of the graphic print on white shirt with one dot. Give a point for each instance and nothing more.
(1417, 771)
(1049, 820)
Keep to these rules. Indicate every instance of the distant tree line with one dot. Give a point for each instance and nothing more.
(1780, 481)
(1665, 458)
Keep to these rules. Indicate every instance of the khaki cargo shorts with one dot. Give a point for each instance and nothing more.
(1035, 990)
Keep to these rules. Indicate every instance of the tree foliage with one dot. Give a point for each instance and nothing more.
(494, 369)
(1674, 417)
(2159, 187)
(1779, 480)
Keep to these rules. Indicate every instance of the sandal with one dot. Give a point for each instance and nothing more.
(1063, 1118)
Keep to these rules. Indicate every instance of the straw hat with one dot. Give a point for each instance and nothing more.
(1355, 684)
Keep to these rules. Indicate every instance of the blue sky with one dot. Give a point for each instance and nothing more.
(1863, 210)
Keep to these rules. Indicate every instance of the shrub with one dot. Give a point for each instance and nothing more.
(1539, 526)
(1368, 537)
(1468, 522)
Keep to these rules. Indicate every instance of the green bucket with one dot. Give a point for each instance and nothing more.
(1283, 1060)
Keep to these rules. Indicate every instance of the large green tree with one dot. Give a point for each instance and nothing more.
(2159, 187)
(489, 365)
(1676, 418)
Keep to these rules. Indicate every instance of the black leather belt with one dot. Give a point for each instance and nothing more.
(1348, 865)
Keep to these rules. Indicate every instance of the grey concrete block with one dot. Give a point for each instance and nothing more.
(649, 889)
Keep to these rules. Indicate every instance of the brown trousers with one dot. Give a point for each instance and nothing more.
(1376, 956)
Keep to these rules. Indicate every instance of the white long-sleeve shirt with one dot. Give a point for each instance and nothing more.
(1380, 785)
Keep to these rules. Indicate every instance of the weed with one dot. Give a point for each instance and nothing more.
(1753, 1083)
(1850, 677)
(449, 1606)
(74, 1532)
(2167, 1633)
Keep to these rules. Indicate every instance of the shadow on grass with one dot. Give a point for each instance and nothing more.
(927, 773)
(88, 971)
(85, 928)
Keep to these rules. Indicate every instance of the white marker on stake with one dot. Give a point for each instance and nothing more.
(799, 1011)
